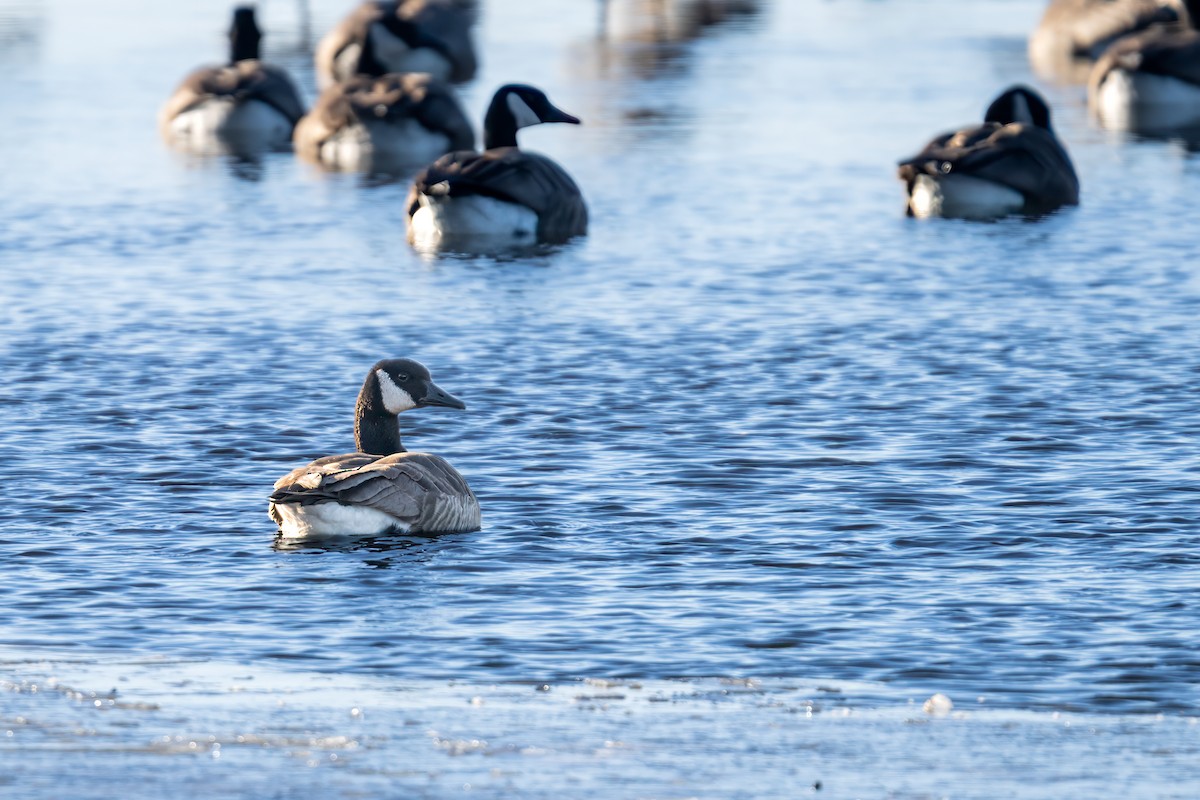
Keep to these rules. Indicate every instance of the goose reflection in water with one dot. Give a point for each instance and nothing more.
(647, 42)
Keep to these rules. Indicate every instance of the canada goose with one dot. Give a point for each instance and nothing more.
(1011, 164)
(246, 104)
(382, 488)
(1149, 83)
(391, 121)
(1073, 33)
(505, 194)
(382, 36)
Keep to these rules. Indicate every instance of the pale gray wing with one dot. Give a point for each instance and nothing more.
(407, 486)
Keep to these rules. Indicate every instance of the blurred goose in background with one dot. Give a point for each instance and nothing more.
(391, 122)
(660, 21)
(1072, 34)
(504, 195)
(246, 105)
(382, 36)
(1011, 164)
(1149, 83)
(382, 488)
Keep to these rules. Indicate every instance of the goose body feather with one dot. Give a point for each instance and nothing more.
(247, 99)
(500, 191)
(390, 121)
(366, 494)
(436, 39)
(966, 172)
(1148, 83)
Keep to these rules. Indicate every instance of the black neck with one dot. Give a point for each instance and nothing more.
(244, 37)
(376, 430)
(499, 126)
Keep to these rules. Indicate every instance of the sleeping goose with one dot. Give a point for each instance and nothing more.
(1149, 83)
(503, 195)
(393, 121)
(1011, 164)
(382, 36)
(1074, 33)
(382, 488)
(246, 104)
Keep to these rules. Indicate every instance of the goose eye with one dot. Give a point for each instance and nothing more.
(402, 377)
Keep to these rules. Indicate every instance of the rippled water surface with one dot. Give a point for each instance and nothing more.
(757, 425)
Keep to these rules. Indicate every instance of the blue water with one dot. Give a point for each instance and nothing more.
(757, 424)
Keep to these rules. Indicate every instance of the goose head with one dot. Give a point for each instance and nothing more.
(1019, 104)
(401, 383)
(244, 35)
(516, 106)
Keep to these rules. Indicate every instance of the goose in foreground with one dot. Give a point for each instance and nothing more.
(382, 36)
(393, 121)
(503, 195)
(382, 488)
(1011, 164)
(1072, 34)
(245, 104)
(1149, 83)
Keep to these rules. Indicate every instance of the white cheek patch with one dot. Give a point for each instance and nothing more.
(522, 113)
(395, 399)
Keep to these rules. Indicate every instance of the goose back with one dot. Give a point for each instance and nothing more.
(387, 108)
(510, 175)
(1085, 27)
(434, 36)
(239, 82)
(421, 492)
(1012, 160)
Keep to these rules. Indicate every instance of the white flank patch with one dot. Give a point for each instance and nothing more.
(962, 197)
(396, 56)
(1136, 101)
(395, 399)
(472, 216)
(334, 519)
(522, 113)
(349, 149)
(250, 124)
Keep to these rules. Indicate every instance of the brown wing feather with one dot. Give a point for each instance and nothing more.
(444, 22)
(404, 485)
(244, 80)
(1166, 52)
(1084, 27)
(351, 30)
(412, 95)
(514, 175)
